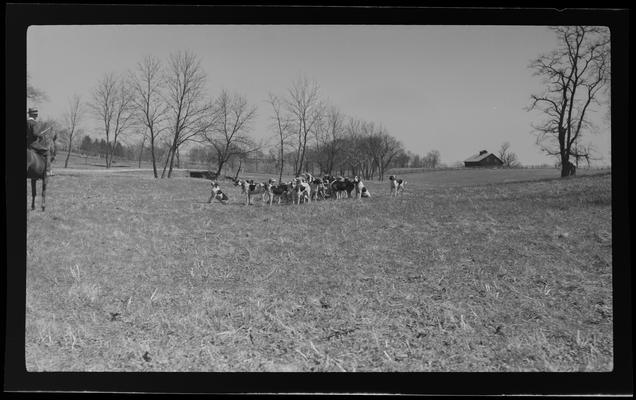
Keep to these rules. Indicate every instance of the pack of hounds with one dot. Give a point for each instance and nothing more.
(302, 189)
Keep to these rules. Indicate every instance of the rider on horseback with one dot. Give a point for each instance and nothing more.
(35, 138)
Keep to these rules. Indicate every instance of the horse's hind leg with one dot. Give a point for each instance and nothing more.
(33, 194)
(44, 191)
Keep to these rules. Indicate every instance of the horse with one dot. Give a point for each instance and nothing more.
(36, 169)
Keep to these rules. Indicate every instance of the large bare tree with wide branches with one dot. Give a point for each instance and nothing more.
(113, 105)
(576, 76)
(330, 139)
(281, 124)
(188, 109)
(306, 110)
(148, 82)
(230, 124)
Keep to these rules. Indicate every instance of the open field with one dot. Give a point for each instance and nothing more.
(470, 270)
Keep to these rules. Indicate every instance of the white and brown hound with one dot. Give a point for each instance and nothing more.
(300, 191)
(249, 189)
(217, 193)
(280, 190)
(361, 190)
(397, 185)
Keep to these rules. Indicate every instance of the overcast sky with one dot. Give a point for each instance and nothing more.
(455, 89)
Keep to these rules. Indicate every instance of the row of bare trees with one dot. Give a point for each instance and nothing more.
(165, 105)
(169, 105)
(309, 132)
(432, 159)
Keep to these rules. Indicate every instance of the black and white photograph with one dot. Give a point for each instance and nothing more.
(342, 198)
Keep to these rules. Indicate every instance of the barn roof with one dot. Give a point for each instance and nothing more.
(478, 157)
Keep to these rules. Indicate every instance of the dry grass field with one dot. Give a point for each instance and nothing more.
(469, 270)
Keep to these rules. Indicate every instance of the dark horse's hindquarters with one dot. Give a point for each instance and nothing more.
(36, 169)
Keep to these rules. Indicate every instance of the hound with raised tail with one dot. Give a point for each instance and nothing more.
(397, 185)
(218, 194)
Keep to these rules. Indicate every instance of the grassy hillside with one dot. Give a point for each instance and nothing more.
(462, 273)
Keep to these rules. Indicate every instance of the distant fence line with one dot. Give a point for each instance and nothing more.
(268, 166)
(397, 171)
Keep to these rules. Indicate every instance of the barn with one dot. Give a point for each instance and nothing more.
(483, 159)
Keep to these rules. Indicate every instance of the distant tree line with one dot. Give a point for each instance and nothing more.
(99, 147)
(158, 108)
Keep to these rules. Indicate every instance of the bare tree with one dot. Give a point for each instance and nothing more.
(185, 98)
(164, 150)
(104, 104)
(124, 115)
(329, 139)
(584, 152)
(432, 159)
(112, 104)
(305, 107)
(575, 75)
(72, 120)
(142, 145)
(416, 161)
(368, 145)
(386, 147)
(401, 160)
(353, 149)
(150, 108)
(508, 158)
(281, 124)
(229, 127)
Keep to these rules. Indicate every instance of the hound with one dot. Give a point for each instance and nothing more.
(301, 191)
(397, 185)
(341, 186)
(277, 190)
(307, 177)
(326, 181)
(328, 178)
(361, 190)
(317, 188)
(282, 190)
(249, 189)
(218, 194)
